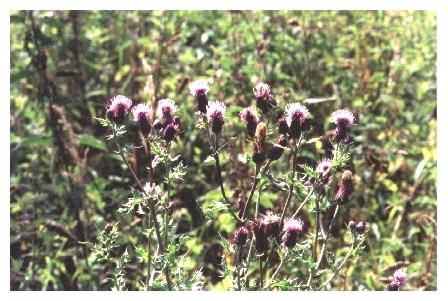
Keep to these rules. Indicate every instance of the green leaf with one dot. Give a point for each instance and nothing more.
(89, 140)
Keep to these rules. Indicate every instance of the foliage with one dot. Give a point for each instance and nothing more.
(68, 183)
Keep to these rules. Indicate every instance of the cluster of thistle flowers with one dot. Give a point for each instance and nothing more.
(291, 125)
(167, 125)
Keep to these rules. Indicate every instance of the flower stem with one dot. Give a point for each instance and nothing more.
(291, 187)
(151, 207)
(324, 245)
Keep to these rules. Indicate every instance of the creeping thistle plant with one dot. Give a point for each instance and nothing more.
(287, 248)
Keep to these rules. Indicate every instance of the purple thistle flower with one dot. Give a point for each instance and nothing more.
(166, 110)
(263, 96)
(291, 231)
(344, 120)
(142, 115)
(215, 115)
(199, 89)
(272, 222)
(296, 116)
(248, 115)
(324, 169)
(399, 280)
(118, 108)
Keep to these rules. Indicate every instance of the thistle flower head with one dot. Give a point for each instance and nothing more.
(293, 225)
(262, 91)
(215, 115)
(272, 222)
(142, 115)
(167, 109)
(140, 112)
(248, 115)
(296, 113)
(118, 107)
(199, 87)
(343, 118)
(400, 277)
(291, 230)
(263, 96)
(399, 280)
(152, 190)
(324, 168)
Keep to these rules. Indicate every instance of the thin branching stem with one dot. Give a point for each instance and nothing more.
(151, 207)
(324, 245)
(352, 251)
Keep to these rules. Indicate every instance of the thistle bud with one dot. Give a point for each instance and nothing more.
(260, 134)
(215, 116)
(118, 108)
(291, 231)
(344, 120)
(361, 227)
(296, 118)
(240, 236)
(251, 119)
(345, 187)
(259, 155)
(277, 150)
(142, 115)
(199, 89)
(352, 225)
(261, 238)
(283, 126)
(108, 228)
(169, 132)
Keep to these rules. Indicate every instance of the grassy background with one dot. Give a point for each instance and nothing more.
(66, 65)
